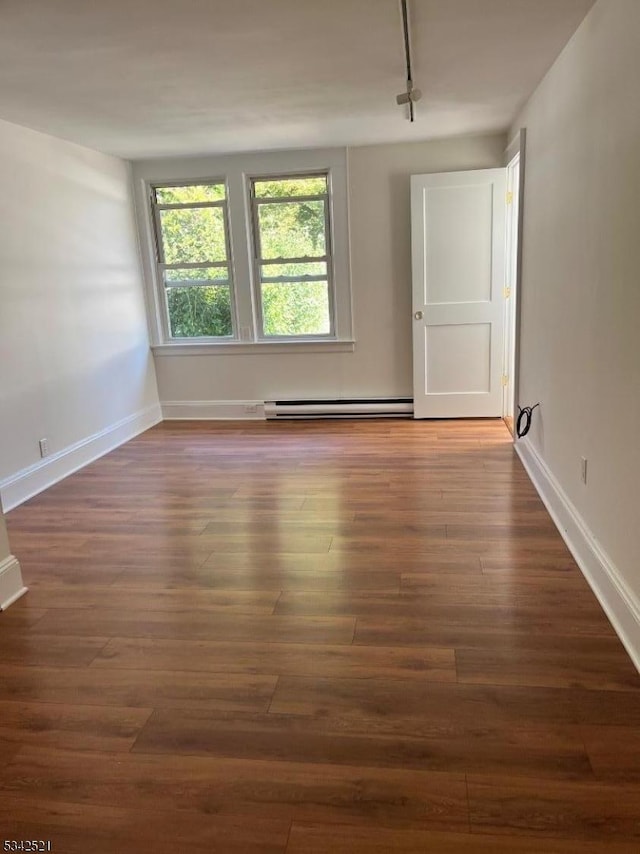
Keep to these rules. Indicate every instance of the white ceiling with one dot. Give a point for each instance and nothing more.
(145, 78)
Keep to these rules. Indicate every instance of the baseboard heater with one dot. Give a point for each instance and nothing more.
(369, 407)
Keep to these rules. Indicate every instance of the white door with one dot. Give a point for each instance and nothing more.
(458, 243)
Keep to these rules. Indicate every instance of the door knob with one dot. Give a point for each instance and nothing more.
(418, 315)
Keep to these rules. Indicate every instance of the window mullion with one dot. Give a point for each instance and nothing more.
(160, 256)
(255, 218)
(258, 314)
(328, 242)
(303, 277)
(177, 206)
(306, 259)
(287, 200)
(246, 302)
(230, 272)
(193, 265)
(199, 283)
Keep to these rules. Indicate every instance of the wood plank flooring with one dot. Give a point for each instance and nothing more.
(311, 637)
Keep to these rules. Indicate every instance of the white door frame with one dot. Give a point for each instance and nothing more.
(511, 283)
(517, 149)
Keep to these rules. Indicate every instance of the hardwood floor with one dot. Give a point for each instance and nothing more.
(311, 637)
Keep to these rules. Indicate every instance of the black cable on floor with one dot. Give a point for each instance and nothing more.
(523, 424)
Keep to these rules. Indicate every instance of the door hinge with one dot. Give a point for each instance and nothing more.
(506, 293)
(509, 197)
(505, 380)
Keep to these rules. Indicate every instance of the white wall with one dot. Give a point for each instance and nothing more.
(580, 339)
(380, 281)
(74, 353)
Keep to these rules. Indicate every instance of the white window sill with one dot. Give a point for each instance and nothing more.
(253, 348)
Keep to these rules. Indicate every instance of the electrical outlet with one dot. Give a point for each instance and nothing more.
(251, 409)
(583, 469)
(44, 447)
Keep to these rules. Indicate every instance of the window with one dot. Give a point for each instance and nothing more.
(193, 258)
(292, 256)
(253, 260)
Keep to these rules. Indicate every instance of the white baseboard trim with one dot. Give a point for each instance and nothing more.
(213, 410)
(619, 603)
(30, 481)
(11, 585)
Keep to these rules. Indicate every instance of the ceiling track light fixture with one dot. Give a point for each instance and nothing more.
(412, 94)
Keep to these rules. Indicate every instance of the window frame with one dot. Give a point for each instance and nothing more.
(258, 262)
(160, 265)
(233, 170)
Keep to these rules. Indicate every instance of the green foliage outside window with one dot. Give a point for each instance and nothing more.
(301, 306)
(199, 312)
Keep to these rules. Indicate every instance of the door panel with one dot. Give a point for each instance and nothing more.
(458, 221)
(458, 358)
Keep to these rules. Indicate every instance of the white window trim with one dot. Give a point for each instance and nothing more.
(235, 171)
(204, 347)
